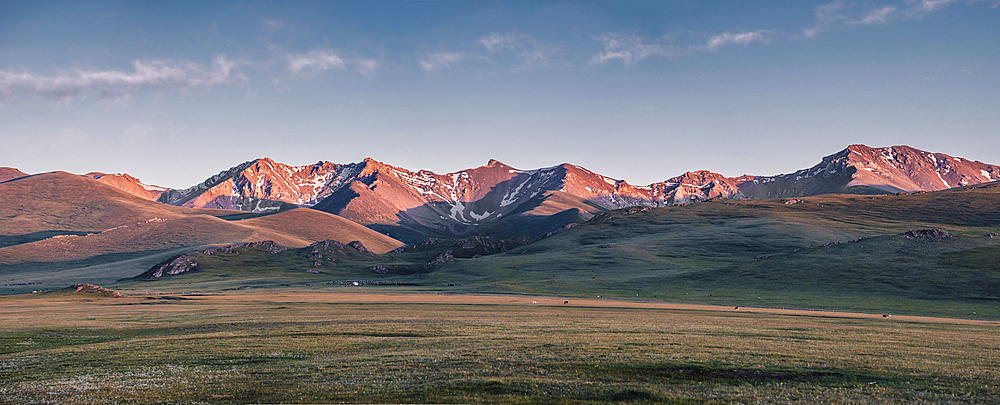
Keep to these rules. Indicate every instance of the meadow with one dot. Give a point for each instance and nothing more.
(371, 347)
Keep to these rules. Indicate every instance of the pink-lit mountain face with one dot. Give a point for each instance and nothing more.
(263, 185)
(129, 184)
(864, 170)
(502, 200)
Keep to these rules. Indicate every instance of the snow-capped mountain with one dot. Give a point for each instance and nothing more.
(409, 205)
(263, 185)
(860, 169)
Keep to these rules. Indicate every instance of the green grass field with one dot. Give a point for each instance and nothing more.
(426, 348)
(834, 252)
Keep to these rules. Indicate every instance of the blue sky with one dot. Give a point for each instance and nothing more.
(173, 92)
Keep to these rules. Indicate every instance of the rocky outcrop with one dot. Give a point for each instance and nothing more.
(93, 290)
(188, 262)
(442, 258)
(927, 233)
(267, 245)
(178, 265)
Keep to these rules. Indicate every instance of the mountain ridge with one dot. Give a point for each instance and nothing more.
(414, 205)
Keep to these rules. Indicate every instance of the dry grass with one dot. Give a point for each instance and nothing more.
(315, 347)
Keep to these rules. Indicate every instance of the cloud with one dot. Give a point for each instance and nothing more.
(927, 6)
(826, 16)
(515, 50)
(119, 84)
(630, 48)
(839, 13)
(743, 38)
(272, 25)
(528, 51)
(318, 61)
(496, 42)
(440, 60)
(877, 16)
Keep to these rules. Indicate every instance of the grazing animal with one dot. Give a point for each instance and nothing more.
(886, 316)
(567, 302)
(737, 308)
(534, 302)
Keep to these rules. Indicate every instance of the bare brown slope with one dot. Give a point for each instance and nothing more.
(63, 201)
(118, 222)
(10, 173)
(316, 225)
(129, 184)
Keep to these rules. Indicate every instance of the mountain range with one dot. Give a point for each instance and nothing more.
(556, 230)
(502, 201)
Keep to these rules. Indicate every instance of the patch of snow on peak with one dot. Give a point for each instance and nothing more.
(153, 188)
(986, 174)
(477, 217)
(946, 185)
(511, 197)
(457, 212)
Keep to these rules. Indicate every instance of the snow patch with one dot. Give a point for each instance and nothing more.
(512, 196)
(946, 185)
(486, 214)
(986, 175)
(456, 212)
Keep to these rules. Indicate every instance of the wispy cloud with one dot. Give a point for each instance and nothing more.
(119, 84)
(318, 61)
(272, 25)
(528, 51)
(742, 38)
(840, 13)
(513, 51)
(927, 6)
(440, 60)
(630, 49)
(876, 16)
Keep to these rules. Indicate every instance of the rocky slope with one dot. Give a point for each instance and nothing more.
(860, 169)
(412, 205)
(129, 184)
(263, 185)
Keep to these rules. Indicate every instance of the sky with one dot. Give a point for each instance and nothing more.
(174, 92)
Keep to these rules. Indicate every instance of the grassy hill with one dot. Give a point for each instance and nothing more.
(822, 252)
(59, 229)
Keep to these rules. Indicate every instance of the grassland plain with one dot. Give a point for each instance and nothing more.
(834, 252)
(449, 348)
